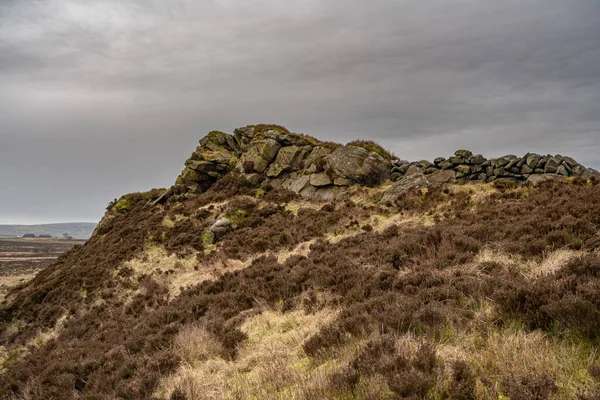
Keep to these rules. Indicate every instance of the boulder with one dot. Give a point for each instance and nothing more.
(536, 179)
(222, 226)
(441, 177)
(501, 162)
(526, 169)
(358, 165)
(296, 185)
(288, 158)
(578, 170)
(562, 170)
(552, 165)
(261, 153)
(457, 160)
(403, 186)
(533, 160)
(312, 163)
(591, 173)
(320, 179)
(477, 159)
(413, 170)
(463, 153)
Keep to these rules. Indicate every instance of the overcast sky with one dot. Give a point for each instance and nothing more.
(104, 97)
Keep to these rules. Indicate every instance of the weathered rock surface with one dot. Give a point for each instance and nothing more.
(320, 170)
(358, 165)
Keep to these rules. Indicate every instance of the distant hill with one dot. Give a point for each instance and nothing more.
(79, 230)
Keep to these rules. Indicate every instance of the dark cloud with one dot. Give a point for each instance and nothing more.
(100, 98)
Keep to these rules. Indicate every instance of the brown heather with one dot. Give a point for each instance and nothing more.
(431, 297)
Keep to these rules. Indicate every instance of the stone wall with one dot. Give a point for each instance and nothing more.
(469, 167)
(321, 170)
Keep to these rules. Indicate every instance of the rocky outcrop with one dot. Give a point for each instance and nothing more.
(216, 155)
(269, 154)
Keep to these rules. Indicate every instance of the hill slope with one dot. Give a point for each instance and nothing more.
(234, 284)
(79, 230)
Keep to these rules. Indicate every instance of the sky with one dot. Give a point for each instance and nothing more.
(103, 97)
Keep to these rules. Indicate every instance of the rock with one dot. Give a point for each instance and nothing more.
(578, 170)
(313, 161)
(570, 162)
(533, 160)
(561, 170)
(463, 153)
(441, 177)
(296, 185)
(341, 182)
(221, 226)
(591, 173)
(413, 170)
(476, 169)
(446, 165)
(542, 164)
(539, 178)
(499, 171)
(513, 163)
(404, 185)
(288, 158)
(190, 175)
(462, 170)
(552, 165)
(477, 159)
(320, 179)
(501, 162)
(439, 160)
(222, 222)
(526, 169)
(358, 165)
(261, 153)
(456, 160)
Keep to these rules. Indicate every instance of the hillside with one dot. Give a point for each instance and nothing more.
(283, 267)
(79, 230)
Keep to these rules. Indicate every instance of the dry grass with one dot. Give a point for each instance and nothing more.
(496, 354)
(270, 364)
(554, 261)
(303, 249)
(532, 269)
(297, 204)
(10, 281)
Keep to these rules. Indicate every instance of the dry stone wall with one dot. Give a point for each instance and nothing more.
(322, 170)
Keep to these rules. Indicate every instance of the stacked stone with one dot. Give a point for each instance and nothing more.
(469, 167)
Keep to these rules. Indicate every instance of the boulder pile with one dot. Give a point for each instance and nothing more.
(322, 170)
(469, 167)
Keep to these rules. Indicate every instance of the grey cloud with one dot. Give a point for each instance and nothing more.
(119, 82)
